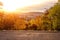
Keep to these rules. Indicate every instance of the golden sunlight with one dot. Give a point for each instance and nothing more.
(11, 5)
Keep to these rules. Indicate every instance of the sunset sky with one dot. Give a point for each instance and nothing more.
(27, 5)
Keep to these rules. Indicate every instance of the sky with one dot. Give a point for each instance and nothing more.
(45, 4)
(27, 5)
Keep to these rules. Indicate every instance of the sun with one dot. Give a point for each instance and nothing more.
(12, 5)
(9, 5)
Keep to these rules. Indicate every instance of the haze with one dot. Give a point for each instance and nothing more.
(12, 5)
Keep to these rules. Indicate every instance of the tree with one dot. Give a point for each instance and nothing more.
(20, 24)
(54, 13)
(1, 19)
(8, 22)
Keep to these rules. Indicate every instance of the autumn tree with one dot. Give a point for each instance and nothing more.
(1, 19)
(8, 22)
(20, 24)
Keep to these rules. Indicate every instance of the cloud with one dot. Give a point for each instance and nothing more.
(39, 7)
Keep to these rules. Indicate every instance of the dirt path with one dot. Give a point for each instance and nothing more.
(29, 35)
